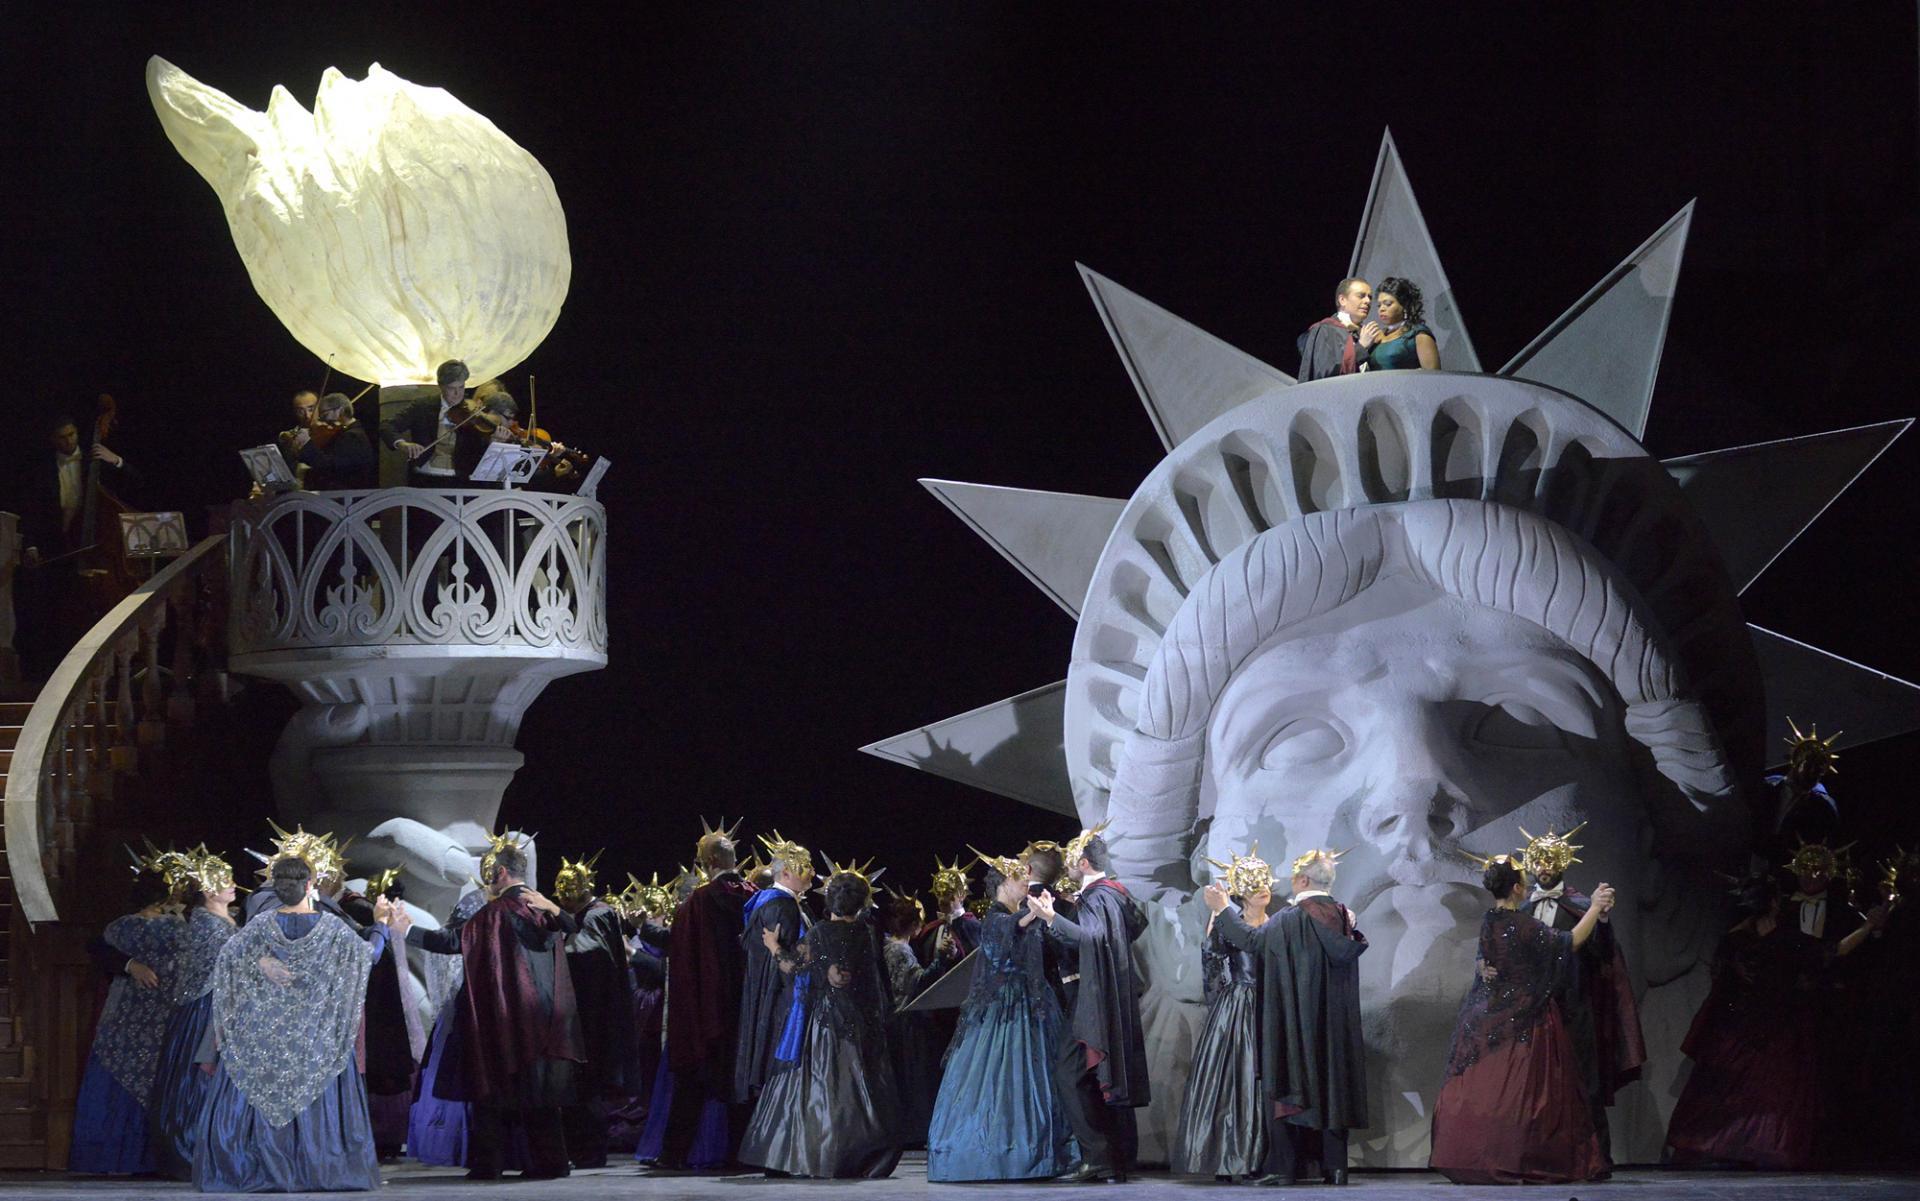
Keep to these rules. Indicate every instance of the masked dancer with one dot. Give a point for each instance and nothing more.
(1513, 1110)
(834, 1112)
(286, 1110)
(179, 1086)
(1222, 1131)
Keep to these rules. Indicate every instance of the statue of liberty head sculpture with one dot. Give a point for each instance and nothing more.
(1410, 614)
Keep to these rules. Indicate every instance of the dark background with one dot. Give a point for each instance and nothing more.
(820, 251)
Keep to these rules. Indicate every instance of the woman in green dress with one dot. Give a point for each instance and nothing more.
(1407, 344)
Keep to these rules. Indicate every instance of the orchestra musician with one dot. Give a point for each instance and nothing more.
(306, 404)
(335, 448)
(424, 431)
(53, 508)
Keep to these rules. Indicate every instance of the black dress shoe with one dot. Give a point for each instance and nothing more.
(1337, 1176)
(1274, 1180)
(482, 1174)
(1084, 1173)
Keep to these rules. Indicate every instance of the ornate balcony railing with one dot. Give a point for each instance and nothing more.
(416, 567)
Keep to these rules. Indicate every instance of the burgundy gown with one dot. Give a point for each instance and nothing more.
(1512, 1110)
(1755, 1094)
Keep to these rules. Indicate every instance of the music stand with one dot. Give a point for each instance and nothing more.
(949, 991)
(153, 536)
(590, 487)
(508, 463)
(269, 469)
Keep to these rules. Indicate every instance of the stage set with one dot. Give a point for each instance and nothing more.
(1416, 802)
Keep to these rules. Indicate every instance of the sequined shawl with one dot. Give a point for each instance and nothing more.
(198, 951)
(1522, 965)
(282, 1044)
(134, 1023)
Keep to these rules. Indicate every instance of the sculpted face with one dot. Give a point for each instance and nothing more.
(1414, 730)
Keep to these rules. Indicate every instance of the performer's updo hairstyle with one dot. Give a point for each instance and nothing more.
(1406, 292)
(148, 889)
(900, 916)
(1500, 878)
(290, 880)
(847, 895)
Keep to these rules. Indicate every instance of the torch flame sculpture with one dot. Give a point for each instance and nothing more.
(389, 229)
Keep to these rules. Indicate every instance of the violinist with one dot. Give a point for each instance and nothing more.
(305, 405)
(335, 449)
(491, 418)
(424, 431)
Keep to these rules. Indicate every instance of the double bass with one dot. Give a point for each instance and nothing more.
(100, 553)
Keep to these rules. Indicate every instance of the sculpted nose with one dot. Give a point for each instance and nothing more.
(1413, 817)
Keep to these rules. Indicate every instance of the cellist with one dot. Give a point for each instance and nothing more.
(53, 515)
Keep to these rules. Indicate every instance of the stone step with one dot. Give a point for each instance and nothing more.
(10, 735)
(13, 1063)
(15, 1094)
(15, 712)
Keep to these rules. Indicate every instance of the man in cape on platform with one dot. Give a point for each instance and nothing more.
(767, 996)
(705, 971)
(1598, 1006)
(603, 995)
(1338, 345)
(518, 1027)
(1100, 1067)
(1313, 1059)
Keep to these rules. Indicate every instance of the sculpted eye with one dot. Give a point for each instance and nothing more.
(1515, 725)
(1302, 740)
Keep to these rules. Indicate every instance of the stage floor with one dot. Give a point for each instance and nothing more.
(910, 1180)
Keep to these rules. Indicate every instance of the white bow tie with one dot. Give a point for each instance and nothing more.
(1542, 894)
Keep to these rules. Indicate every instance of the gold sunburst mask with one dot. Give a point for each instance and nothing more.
(794, 857)
(1246, 875)
(1810, 752)
(949, 880)
(1550, 854)
(712, 836)
(574, 882)
(1330, 859)
(1817, 859)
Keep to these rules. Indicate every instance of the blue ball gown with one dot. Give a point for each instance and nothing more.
(326, 1147)
(111, 1133)
(997, 1117)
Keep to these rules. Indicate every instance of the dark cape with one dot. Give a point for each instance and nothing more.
(603, 995)
(518, 1028)
(1106, 1003)
(766, 996)
(705, 970)
(1602, 1015)
(1312, 1052)
(1328, 348)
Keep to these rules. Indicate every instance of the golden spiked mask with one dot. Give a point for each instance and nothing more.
(1013, 867)
(1809, 751)
(1247, 875)
(1817, 859)
(1330, 859)
(949, 880)
(379, 885)
(712, 836)
(796, 858)
(1549, 854)
(1077, 845)
(497, 843)
(574, 882)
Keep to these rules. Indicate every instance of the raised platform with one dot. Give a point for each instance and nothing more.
(910, 1180)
